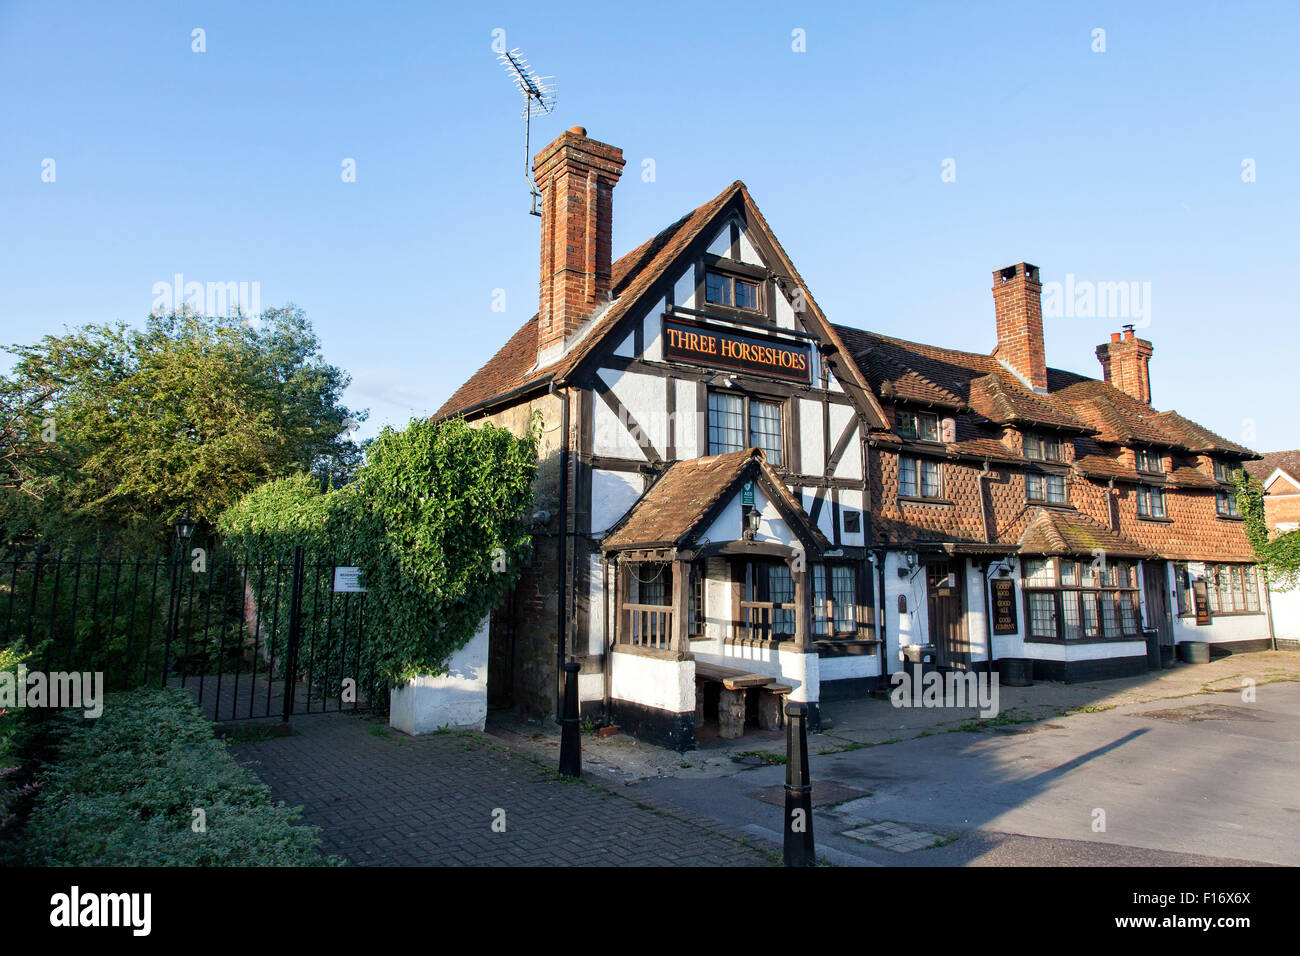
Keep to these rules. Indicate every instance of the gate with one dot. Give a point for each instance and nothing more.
(250, 636)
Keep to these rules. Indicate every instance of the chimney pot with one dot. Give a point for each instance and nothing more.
(1114, 336)
(580, 130)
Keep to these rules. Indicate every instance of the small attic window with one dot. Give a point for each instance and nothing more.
(723, 289)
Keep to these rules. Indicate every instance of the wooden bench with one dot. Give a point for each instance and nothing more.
(731, 701)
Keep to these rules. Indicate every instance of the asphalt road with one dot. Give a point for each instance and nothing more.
(1199, 780)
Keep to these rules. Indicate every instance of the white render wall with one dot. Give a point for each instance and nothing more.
(456, 700)
(1286, 614)
(653, 682)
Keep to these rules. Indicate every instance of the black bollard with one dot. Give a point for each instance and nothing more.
(570, 733)
(799, 849)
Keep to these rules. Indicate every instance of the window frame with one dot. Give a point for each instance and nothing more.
(1241, 580)
(912, 430)
(1046, 477)
(1147, 493)
(746, 404)
(920, 466)
(730, 277)
(1142, 461)
(1043, 442)
(826, 607)
(1225, 505)
(1096, 609)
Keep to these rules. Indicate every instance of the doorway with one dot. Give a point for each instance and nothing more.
(945, 583)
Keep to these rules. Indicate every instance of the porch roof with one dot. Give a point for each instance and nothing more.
(692, 492)
(1054, 531)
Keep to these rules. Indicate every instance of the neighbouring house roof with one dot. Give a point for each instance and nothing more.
(1287, 462)
(1093, 411)
(689, 494)
(1068, 532)
(513, 368)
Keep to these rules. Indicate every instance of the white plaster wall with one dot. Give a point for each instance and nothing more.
(692, 434)
(812, 444)
(720, 244)
(653, 682)
(909, 628)
(771, 527)
(591, 687)
(786, 319)
(596, 605)
(645, 398)
(652, 332)
(456, 700)
(842, 668)
(1286, 614)
(684, 288)
(977, 614)
(717, 599)
(1231, 627)
(831, 384)
(853, 500)
(612, 494)
(627, 348)
(748, 253)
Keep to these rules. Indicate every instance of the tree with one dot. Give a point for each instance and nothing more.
(188, 413)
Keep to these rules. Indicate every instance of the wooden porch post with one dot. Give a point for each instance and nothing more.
(802, 607)
(681, 603)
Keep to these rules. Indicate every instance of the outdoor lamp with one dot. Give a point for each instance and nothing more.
(184, 527)
(752, 518)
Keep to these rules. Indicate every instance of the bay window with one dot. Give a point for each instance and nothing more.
(1081, 600)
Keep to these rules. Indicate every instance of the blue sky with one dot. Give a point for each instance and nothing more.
(224, 166)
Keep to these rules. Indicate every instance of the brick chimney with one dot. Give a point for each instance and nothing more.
(1018, 303)
(1125, 362)
(576, 177)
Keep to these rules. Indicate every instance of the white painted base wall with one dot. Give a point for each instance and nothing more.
(1286, 614)
(456, 700)
(653, 682)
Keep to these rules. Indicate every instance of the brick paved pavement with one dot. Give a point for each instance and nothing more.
(383, 798)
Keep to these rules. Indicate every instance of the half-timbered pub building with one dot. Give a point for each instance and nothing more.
(740, 502)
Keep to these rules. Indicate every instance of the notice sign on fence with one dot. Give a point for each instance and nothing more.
(349, 579)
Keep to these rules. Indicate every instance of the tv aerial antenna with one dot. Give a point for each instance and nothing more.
(539, 100)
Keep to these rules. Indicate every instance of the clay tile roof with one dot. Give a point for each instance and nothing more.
(1195, 437)
(687, 492)
(1269, 462)
(504, 372)
(512, 368)
(1053, 531)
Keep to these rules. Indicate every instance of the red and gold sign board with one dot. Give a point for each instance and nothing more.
(736, 351)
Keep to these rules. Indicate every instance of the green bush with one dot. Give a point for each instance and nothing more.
(123, 791)
(437, 520)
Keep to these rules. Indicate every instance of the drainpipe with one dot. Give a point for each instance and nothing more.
(882, 616)
(609, 638)
(988, 617)
(561, 574)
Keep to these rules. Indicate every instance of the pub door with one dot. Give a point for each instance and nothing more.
(1154, 581)
(945, 585)
(501, 653)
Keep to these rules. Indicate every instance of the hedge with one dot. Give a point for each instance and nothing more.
(124, 788)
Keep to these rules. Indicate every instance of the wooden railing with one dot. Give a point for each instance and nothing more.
(756, 620)
(648, 625)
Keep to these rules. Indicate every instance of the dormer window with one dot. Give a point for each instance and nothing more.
(1222, 470)
(1043, 449)
(920, 426)
(732, 291)
(1149, 460)
(1045, 488)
